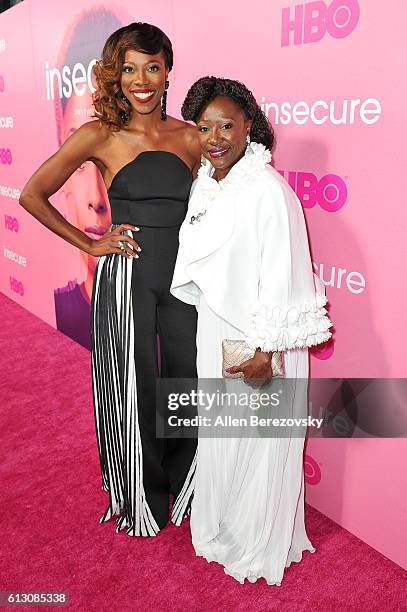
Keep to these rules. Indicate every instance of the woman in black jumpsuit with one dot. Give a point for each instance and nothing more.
(146, 160)
(131, 302)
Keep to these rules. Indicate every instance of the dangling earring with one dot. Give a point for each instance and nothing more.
(164, 103)
(248, 149)
(124, 115)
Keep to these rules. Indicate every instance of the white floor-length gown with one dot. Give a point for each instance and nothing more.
(248, 507)
(244, 262)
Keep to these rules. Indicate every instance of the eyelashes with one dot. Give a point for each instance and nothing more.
(129, 69)
(226, 126)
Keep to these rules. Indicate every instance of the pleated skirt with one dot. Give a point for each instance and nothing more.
(248, 508)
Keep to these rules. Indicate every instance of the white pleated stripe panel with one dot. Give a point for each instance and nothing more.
(115, 397)
(182, 503)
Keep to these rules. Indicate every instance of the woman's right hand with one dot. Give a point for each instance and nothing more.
(111, 241)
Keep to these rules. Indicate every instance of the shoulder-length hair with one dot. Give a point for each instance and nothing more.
(110, 104)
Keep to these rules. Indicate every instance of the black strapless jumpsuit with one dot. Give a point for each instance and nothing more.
(131, 304)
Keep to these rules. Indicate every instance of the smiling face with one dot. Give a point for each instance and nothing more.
(143, 80)
(223, 128)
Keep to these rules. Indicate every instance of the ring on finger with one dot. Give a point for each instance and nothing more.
(121, 245)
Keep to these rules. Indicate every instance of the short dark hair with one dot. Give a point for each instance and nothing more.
(208, 88)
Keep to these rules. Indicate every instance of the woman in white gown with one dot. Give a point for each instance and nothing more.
(244, 262)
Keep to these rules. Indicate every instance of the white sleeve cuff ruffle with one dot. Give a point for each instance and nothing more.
(281, 329)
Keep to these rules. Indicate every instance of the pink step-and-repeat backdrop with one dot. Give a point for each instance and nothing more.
(330, 76)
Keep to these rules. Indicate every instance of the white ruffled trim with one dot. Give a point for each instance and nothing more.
(240, 176)
(281, 329)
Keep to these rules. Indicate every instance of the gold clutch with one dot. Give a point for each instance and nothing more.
(235, 352)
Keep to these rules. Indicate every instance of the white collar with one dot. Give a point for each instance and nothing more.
(252, 163)
(214, 214)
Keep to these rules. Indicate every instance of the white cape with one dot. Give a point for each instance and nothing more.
(249, 255)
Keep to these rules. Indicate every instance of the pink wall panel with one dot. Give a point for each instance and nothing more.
(329, 75)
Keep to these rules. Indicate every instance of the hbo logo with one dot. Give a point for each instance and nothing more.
(324, 351)
(329, 192)
(311, 21)
(10, 223)
(312, 471)
(16, 286)
(5, 156)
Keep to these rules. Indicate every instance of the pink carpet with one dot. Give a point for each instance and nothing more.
(51, 501)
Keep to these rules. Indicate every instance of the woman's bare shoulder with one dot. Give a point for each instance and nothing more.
(183, 128)
(188, 135)
(94, 133)
(96, 140)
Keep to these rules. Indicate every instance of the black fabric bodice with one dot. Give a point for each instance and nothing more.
(151, 190)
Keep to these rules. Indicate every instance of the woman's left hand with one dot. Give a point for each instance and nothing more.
(256, 371)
